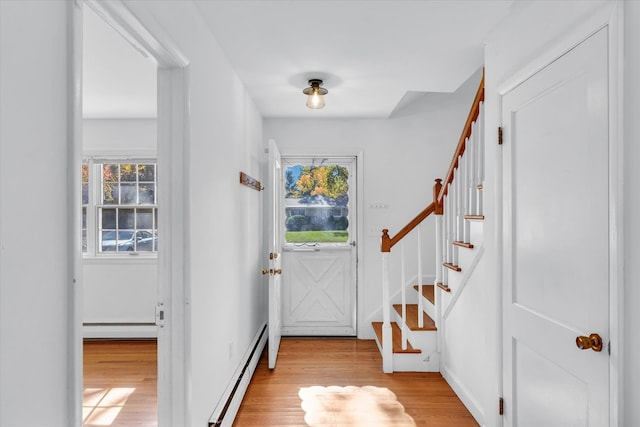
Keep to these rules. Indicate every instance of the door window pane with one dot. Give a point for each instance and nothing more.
(316, 203)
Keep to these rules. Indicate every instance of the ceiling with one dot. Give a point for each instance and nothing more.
(372, 55)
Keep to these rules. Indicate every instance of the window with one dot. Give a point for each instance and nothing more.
(124, 217)
(316, 202)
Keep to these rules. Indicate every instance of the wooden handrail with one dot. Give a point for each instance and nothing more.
(466, 132)
(388, 242)
(440, 188)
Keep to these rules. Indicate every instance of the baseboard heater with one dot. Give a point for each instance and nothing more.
(228, 406)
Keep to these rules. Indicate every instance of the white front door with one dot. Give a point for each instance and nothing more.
(556, 262)
(319, 239)
(275, 257)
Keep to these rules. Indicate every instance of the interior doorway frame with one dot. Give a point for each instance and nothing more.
(173, 139)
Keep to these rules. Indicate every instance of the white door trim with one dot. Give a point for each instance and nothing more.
(610, 15)
(173, 138)
(359, 156)
(74, 222)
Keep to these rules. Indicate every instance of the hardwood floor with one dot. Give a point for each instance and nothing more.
(272, 397)
(120, 383)
(120, 380)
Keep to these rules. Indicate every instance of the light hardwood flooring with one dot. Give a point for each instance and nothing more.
(120, 380)
(272, 397)
(120, 383)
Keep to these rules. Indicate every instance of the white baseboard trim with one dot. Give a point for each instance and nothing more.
(119, 330)
(227, 408)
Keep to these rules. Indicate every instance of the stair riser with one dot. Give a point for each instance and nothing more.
(427, 341)
(416, 362)
(476, 233)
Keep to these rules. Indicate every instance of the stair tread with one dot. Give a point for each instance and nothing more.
(412, 318)
(452, 266)
(427, 292)
(464, 245)
(474, 217)
(396, 335)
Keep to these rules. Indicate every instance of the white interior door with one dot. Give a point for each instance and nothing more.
(319, 246)
(556, 270)
(275, 258)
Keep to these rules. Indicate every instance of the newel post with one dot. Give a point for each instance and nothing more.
(437, 187)
(387, 342)
(439, 210)
(386, 241)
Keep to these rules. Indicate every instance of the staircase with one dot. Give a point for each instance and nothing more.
(409, 336)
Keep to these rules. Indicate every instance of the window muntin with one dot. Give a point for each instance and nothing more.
(124, 218)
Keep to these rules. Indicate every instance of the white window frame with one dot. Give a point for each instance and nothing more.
(95, 204)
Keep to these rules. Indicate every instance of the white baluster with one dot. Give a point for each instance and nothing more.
(404, 297)
(450, 224)
(439, 261)
(448, 210)
(439, 246)
(481, 159)
(387, 342)
(420, 308)
(454, 219)
(473, 174)
(467, 160)
(459, 181)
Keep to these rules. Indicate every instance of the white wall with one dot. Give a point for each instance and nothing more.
(119, 290)
(226, 298)
(402, 157)
(135, 137)
(34, 279)
(631, 197)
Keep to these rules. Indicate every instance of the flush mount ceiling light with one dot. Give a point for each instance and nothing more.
(315, 94)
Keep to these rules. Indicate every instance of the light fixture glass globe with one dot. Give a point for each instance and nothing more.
(315, 100)
(315, 94)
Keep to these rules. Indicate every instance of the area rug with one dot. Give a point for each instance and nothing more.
(352, 406)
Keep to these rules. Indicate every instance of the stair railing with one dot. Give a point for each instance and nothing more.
(455, 198)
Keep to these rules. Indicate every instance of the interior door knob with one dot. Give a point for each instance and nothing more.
(593, 342)
(265, 271)
(277, 271)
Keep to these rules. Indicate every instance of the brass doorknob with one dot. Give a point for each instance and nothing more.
(265, 271)
(593, 342)
(277, 271)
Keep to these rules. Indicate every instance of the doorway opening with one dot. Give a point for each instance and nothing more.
(120, 233)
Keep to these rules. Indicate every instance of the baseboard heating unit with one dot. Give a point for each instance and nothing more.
(229, 403)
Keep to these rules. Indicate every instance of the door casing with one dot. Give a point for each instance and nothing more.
(608, 15)
(358, 154)
(173, 116)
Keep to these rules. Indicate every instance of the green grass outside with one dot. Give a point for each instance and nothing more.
(316, 236)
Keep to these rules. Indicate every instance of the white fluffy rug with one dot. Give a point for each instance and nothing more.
(352, 406)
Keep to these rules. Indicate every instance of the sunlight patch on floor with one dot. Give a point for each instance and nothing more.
(353, 406)
(101, 406)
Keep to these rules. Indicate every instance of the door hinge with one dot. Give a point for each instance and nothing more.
(501, 406)
(499, 135)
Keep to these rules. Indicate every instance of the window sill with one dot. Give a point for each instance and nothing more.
(119, 259)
